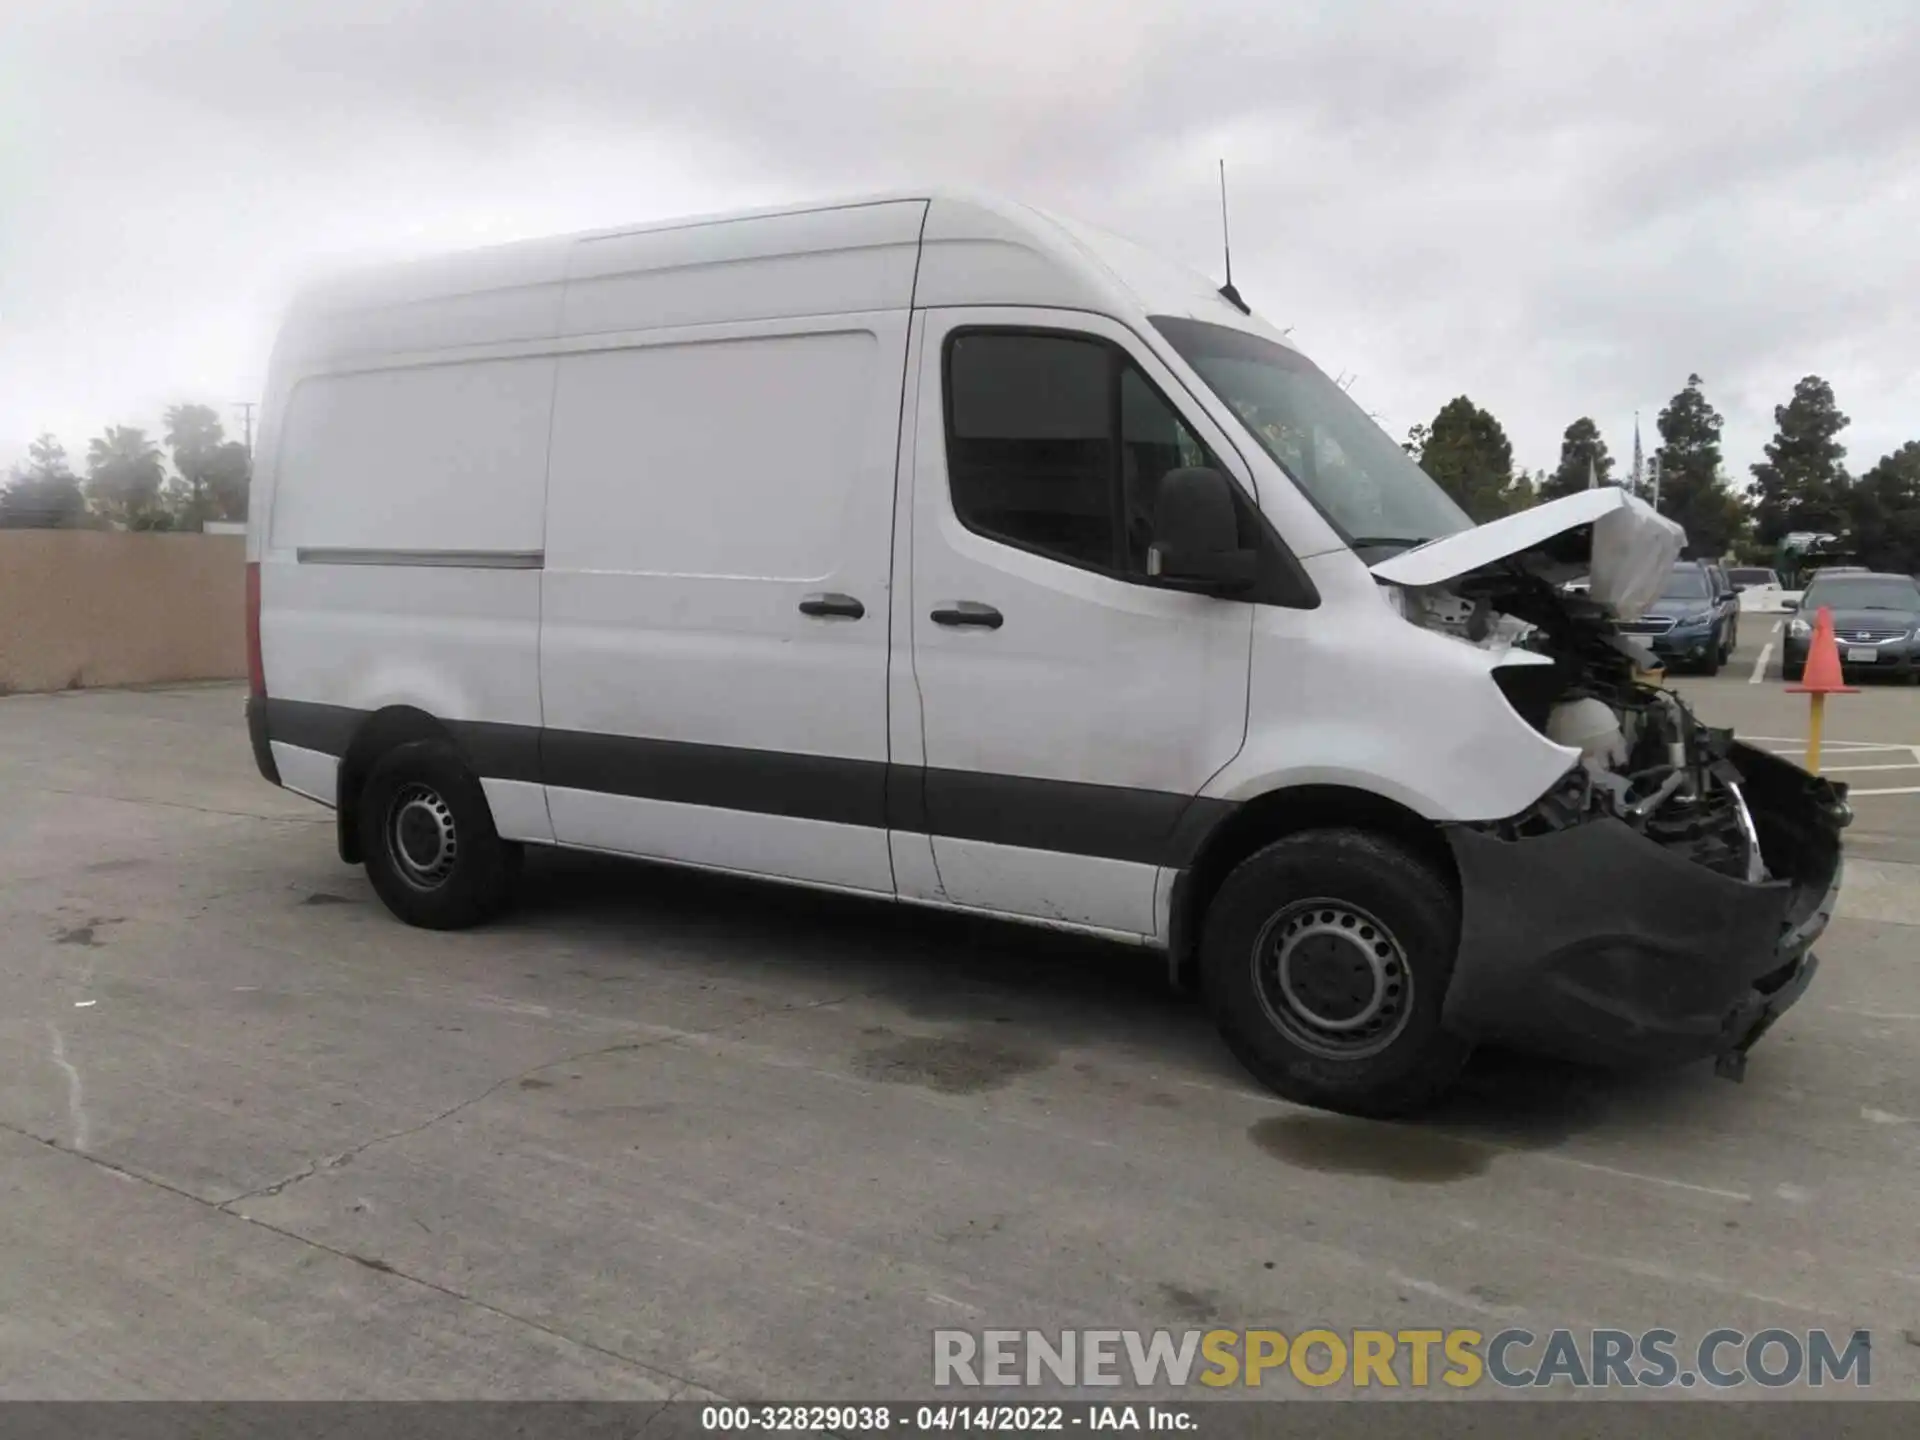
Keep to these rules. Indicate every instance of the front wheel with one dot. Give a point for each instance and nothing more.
(427, 833)
(1325, 959)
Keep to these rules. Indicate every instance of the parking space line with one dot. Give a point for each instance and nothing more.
(1903, 765)
(1900, 790)
(1831, 744)
(1766, 654)
(1845, 747)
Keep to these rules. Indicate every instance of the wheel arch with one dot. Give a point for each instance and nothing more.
(380, 732)
(1272, 816)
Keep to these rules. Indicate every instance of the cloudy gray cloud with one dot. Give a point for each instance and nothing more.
(1558, 212)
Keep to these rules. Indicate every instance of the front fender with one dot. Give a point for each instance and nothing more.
(1377, 704)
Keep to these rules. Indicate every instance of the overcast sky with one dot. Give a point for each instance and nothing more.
(1555, 209)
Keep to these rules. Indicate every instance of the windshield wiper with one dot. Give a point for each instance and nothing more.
(1381, 542)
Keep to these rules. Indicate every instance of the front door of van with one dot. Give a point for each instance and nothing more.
(1070, 709)
(716, 599)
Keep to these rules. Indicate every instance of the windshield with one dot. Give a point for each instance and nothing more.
(1357, 476)
(1751, 577)
(1686, 584)
(1863, 592)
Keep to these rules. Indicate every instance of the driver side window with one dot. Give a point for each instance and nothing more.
(1057, 443)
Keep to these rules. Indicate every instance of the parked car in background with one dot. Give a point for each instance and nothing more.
(1727, 598)
(1695, 622)
(1875, 619)
(1753, 577)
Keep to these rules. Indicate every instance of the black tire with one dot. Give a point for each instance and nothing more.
(1711, 665)
(426, 832)
(1790, 673)
(1346, 893)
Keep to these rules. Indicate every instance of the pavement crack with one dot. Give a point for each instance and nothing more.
(76, 1087)
(183, 805)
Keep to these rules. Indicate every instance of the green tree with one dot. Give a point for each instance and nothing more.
(1580, 447)
(214, 470)
(1416, 441)
(1468, 453)
(1693, 486)
(1882, 510)
(124, 473)
(44, 493)
(1528, 489)
(1801, 485)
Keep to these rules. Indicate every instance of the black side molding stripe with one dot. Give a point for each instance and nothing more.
(500, 752)
(1064, 816)
(428, 559)
(767, 782)
(326, 728)
(1146, 827)
(257, 738)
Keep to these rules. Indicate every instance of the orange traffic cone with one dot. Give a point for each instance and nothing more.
(1821, 677)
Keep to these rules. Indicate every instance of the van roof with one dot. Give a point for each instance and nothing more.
(948, 247)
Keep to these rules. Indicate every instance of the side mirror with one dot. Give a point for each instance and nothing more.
(1787, 602)
(1196, 534)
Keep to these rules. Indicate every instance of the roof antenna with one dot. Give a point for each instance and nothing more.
(1226, 244)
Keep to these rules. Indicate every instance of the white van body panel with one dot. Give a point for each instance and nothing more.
(1330, 706)
(307, 772)
(915, 876)
(355, 446)
(725, 439)
(498, 296)
(1093, 681)
(841, 261)
(1634, 546)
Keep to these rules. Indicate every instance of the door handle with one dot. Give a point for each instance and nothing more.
(968, 612)
(832, 603)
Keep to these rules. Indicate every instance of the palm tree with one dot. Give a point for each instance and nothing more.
(124, 473)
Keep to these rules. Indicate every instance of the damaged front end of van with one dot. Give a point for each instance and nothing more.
(1659, 904)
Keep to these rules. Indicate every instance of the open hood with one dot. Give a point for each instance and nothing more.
(1627, 549)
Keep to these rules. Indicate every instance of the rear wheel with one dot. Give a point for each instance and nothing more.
(427, 833)
(1325, 959)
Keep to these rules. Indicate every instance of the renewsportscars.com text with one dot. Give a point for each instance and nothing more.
(1514, 1358)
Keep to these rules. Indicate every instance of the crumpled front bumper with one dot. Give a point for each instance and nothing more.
(1597, 945)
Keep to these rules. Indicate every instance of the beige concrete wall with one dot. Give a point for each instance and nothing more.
(83, 607)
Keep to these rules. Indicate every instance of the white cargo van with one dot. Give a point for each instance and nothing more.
(936, 549)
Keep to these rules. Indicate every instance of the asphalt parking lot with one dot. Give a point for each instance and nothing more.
(660, 1134)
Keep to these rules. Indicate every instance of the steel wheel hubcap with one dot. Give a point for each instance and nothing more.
(421, 837)
(1333, 979)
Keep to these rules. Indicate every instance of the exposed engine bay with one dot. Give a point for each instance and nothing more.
(1645, 758)
(1660, 902)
